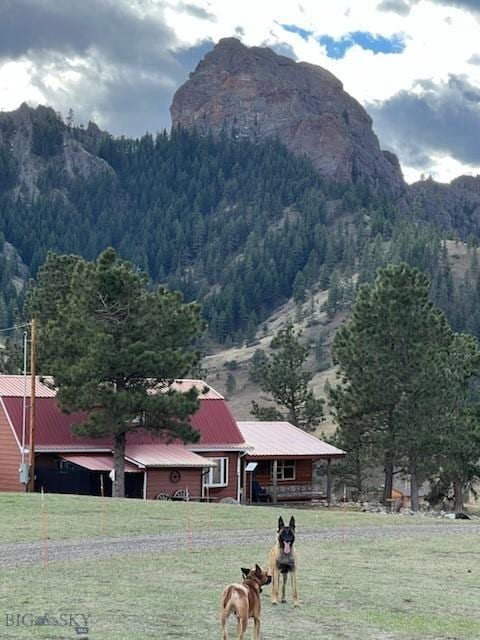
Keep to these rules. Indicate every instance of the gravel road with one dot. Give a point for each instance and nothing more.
(31, 553)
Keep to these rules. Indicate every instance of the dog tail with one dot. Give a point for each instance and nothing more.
(226, 598)
(234, 599)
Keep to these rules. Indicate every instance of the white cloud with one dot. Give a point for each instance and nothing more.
(16, 85)
(443, 168)
(441, 40)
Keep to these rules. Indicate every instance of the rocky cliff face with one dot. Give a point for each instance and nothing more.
(255, 93)
(37, 141)
(454, 206)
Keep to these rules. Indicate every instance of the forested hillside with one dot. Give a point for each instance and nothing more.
(237, 225)
(240, 226)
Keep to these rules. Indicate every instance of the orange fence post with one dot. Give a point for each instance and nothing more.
(44, 531)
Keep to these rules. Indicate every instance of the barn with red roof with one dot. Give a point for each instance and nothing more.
(229, 460)
(68, 463)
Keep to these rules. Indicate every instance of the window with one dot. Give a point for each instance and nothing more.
(218, 476)
(63, 466)
(285, 470)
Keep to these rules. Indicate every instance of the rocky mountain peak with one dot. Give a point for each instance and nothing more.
(37, 140)
(254, 93)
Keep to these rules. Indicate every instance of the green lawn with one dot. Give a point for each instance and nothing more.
(80, 517)
(386, 589)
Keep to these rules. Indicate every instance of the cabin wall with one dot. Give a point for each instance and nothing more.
(10, 457)
(303, 473)
(158, 481)
(230, 491)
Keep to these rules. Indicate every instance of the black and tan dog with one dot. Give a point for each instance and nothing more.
(282, 561)
(244, 601)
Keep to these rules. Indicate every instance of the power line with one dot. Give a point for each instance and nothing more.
(16, 326)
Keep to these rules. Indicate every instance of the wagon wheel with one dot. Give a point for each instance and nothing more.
(162, 496)
(182, 494)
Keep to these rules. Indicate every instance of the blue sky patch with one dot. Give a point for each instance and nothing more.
(293, 28)
(336, 48)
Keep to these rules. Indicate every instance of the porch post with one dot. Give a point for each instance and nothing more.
(239, 471)
(329, 482)
(274, 482)
(244, 493)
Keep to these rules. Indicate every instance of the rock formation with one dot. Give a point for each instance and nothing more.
(454, 206)
(39, 141)
(255, 93)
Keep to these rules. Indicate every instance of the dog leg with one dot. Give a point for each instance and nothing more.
(256, 630)
(284, 576)
(242, 626)
(294, 589)
(224, 619)
(275, 586)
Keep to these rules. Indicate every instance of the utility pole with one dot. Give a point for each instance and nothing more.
(32, 406)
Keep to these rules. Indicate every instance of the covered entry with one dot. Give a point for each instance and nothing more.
(84, 473)
(279, 465)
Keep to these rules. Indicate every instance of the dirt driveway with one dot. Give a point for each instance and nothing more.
(31, 553)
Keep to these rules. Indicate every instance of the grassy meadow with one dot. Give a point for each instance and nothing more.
(379, 589)
(85, 517)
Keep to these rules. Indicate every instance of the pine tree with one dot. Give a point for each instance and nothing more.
(230, 384)
(459, 450)
(109, 341)
(286, 380)
(391, 355)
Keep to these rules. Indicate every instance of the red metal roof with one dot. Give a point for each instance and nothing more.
(216, 425)
(213, 420)
(165, 455)
(283, 440)
(97, 462)
(15, 385)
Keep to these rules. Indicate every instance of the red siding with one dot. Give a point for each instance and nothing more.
(158, 481)
(10, 457)
(230, 491)
(303, 474)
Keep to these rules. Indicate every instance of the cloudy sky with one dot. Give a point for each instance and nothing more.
(414, 64)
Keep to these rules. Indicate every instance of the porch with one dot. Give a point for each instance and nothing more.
(284, 463)
(297, 480)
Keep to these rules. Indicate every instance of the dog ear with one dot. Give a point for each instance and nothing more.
(281, 523)
(291, 524)
(245, 572)
(258, 570)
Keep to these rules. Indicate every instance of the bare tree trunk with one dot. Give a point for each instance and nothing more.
(387, 491)
(119, 466)
(458, 493)
(358, 474)
(414, 501)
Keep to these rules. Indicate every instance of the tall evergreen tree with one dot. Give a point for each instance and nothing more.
(114, 348)
(392, 355)
(459, 447)
(286, 380)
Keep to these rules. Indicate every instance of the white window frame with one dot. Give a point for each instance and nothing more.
(223, 462)
(281, 470)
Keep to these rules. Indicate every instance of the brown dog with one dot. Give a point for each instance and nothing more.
(244, 600)
(283, 560)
